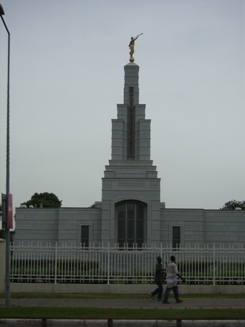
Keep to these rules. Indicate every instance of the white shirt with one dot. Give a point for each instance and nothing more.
(171, 274)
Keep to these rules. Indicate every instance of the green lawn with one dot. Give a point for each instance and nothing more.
(96, 313)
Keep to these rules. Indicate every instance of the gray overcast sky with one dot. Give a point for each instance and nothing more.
(67, 75)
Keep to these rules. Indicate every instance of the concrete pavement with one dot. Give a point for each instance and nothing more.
(147, 303)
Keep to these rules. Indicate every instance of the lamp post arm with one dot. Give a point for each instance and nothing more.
(5, 25)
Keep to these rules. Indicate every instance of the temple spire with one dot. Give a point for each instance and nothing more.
(131, 80)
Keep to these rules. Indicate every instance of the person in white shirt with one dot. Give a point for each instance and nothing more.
(171, 278)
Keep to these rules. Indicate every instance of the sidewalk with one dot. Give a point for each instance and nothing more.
(201, 303)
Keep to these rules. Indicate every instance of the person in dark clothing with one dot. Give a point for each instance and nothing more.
(159, 273)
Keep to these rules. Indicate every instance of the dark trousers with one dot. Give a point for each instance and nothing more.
(168, 290)
(158, 290)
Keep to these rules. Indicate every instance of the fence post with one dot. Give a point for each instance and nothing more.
(2, 265)
(56, 263)
(179, 322)
(44, 322)
(108, 264)
(214, 264)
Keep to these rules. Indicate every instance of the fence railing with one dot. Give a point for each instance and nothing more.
(210, 264)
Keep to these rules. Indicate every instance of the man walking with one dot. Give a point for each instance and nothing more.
(158, 279)
(171, 278)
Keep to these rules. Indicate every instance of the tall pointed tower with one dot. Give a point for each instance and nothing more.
(130, 187)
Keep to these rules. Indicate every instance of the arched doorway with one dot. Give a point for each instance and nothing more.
(130, 222)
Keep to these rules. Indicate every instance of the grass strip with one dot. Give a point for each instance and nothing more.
(98, 313)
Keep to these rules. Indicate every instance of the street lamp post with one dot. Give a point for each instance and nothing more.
(7, 230)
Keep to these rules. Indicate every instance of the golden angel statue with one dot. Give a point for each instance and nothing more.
(131, 47)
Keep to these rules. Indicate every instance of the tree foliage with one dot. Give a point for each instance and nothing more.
(45, 200)
(233, 205)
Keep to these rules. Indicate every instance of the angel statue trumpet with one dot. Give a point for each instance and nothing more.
(131, 47)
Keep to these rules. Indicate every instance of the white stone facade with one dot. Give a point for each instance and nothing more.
(131, 207)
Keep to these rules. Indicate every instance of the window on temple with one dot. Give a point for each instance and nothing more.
(85, 235)
(176, 237)
(131, 217)
(131, 126)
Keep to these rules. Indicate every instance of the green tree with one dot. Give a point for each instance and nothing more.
(232, 205)
(45, 200)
